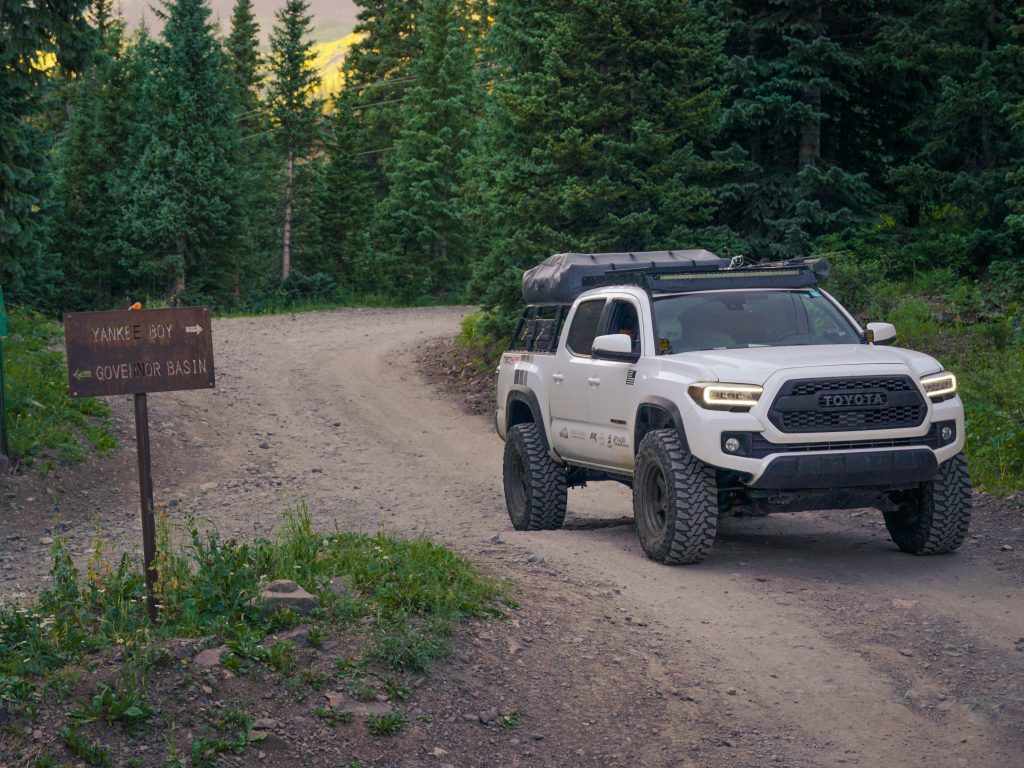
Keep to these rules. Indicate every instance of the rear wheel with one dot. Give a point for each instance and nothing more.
(535, 486)
(675, 500)
(934, 518)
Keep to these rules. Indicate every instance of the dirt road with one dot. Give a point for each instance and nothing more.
(803, 639)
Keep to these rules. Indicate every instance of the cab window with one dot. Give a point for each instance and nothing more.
(583, 329)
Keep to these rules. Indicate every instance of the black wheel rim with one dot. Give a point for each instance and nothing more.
(517, 483)
(654, 501)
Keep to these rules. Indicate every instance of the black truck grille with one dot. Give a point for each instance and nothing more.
(848, 404)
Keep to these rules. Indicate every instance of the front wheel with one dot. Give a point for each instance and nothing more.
(934, 517)
(675, 500)
(536, 488)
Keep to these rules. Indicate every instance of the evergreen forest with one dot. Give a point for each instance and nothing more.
(472, 138)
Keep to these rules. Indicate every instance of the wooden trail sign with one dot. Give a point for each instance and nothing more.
(127, 352)
(132, 352)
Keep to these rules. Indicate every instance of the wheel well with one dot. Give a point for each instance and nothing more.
(650, 417)
(518, 413)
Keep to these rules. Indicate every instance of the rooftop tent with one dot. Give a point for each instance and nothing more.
(559, 278)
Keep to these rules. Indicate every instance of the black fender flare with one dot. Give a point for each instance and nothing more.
(661, 404)
(521, 394)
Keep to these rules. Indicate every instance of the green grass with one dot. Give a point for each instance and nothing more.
(43, 421)
(126, 706)
(387, 724)
(413, 594)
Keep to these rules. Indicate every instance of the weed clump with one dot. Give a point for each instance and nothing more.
(408, 598)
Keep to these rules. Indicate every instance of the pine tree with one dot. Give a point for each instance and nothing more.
(957, 188)
(181, 227)
(243, 52)
(90, 169)
(347, 205)
(421, 224)
(798, 71)
(602, 123)
(378, 69)
(294, 106)
(30, 32)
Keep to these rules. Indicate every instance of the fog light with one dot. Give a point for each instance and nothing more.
(732, 445)
(947, 434)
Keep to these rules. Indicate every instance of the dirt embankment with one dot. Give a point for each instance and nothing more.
(803, 640)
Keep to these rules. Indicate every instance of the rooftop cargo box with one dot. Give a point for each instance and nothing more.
(559, 278)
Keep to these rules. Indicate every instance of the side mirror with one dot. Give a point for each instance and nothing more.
(615, 346)
(881, 333)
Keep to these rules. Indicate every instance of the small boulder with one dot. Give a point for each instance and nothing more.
(210, 657)
(299, 635)
(283, 593)
(342, 587)
(489, 717)
(343, 703)
(283, 585)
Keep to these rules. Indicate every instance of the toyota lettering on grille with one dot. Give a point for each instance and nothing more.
(852, 400)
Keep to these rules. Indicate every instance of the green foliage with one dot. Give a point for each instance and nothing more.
(91, 752)
(294, 106)
(962, 325)
(41, 416)
(511, 720)
(31, 32)
(332, 716)
(388, 724)
(601, 133)
(423, 228)
(127, 706)
(416, 593)
(180, 237)
(243, 52)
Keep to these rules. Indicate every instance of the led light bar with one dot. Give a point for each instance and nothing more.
(718, 395)
(939, 385)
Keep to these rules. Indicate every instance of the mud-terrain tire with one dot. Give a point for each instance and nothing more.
(675, 500)
(934, 518)
(535, 486)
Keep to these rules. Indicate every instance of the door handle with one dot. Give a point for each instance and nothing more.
(594, 381)
(558, 377)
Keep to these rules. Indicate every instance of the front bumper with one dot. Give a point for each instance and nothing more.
(849, 470)
(884, 457)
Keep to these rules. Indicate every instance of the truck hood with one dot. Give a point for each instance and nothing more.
(754, 365)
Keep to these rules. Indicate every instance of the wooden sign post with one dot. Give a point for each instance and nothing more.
(132, 352)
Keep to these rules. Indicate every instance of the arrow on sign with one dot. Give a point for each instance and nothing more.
(193, 329)
(79, 374)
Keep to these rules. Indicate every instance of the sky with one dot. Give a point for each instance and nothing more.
(331, 18)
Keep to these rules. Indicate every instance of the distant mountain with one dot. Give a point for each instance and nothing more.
(328, 61)
(332, 19)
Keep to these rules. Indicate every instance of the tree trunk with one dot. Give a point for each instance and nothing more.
(289, 186)
(754, 50)
(810, 131)
(179, 277)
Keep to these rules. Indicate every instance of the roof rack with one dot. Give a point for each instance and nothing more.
(794, 273)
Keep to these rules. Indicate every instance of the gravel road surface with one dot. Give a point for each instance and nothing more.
(804, 639)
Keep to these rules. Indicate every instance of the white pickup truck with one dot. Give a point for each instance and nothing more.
(711, 387)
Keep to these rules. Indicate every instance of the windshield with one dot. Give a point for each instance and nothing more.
(739, 319)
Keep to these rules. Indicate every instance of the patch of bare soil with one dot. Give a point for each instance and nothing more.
(457, 373)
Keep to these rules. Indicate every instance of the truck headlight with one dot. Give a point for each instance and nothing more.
(725, 396)
(939, 386)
